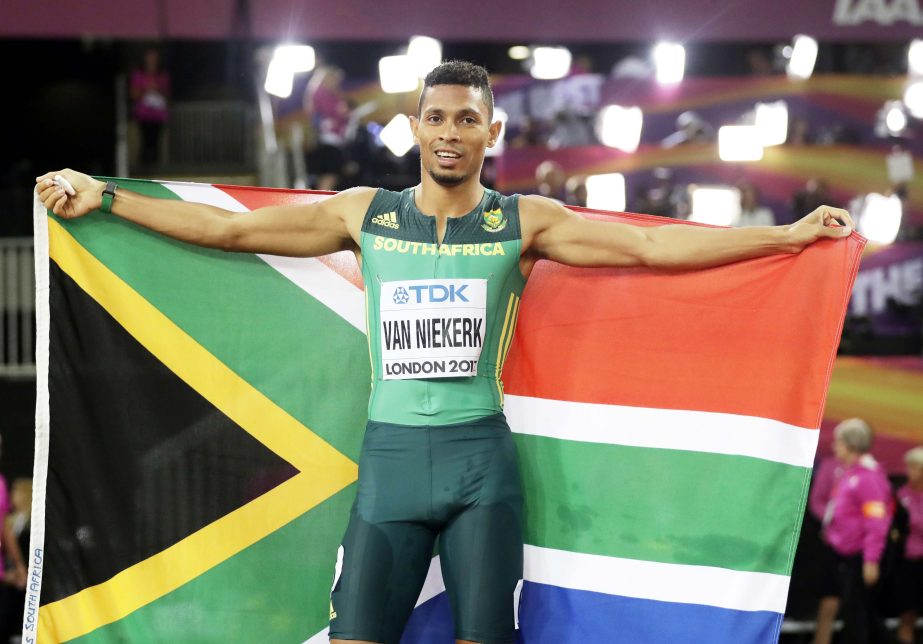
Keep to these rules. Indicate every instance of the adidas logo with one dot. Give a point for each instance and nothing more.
(388, 220)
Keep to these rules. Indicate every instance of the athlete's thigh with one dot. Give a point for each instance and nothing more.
(481, 557)
(381, 568)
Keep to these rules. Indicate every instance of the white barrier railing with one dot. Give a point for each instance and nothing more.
(17, 307)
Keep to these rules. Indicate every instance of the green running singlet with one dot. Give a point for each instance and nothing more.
(440, 316)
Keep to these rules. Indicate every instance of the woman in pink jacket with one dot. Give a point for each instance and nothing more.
(856, 526)
(911, 575)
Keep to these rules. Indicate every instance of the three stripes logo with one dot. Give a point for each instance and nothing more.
(388, 220)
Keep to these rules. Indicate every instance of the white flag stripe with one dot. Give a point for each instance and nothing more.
(323, 284)
(703, 585)
(698, 431)
(677, 583)
(311, 275)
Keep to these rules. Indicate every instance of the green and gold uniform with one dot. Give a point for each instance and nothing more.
(438, 459)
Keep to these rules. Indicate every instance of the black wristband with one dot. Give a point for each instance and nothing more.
(108, 196)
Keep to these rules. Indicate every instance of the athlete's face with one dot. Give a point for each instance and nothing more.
(453, 131)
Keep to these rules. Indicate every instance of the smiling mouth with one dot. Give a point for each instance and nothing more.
(447, 154)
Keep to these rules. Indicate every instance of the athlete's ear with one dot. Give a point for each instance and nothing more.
(495, 129)
(414, 124)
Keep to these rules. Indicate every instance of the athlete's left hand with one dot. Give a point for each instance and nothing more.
(826, 221)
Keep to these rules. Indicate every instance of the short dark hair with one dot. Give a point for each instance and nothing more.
(460, 72)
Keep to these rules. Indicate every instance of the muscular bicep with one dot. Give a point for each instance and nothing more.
(305, 230)
(556, 233)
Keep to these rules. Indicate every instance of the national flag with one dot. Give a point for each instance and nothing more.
(200, 416)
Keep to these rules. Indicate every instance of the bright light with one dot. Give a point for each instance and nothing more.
(519, 52)
(804, 55)
(670, 61)
(620, 127)
(915, 58)
(397, 74)
(279, 78)
(740, 143)
(913, 99)
(880, 219)
(718, 205)
(549, 63)
(425, 53)
(605, 191)
(772, 122)
(500, 145)
(895, 118)
(397, 135)
(298, 58)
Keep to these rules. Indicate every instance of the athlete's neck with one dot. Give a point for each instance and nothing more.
(447, 201)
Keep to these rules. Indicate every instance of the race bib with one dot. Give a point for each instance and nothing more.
(432, 328)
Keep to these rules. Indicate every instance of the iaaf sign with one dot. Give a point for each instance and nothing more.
(884, 12)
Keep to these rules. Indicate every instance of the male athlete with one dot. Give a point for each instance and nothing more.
(444, 264)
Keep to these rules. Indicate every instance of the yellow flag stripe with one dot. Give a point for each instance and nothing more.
(324, 470)
(182, 562)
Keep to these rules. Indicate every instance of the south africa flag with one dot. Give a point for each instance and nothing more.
(200, 415)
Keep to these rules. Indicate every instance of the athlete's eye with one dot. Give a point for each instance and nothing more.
(433, 118)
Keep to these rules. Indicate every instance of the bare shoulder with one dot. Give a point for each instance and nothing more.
(350, 206)
(538, 213)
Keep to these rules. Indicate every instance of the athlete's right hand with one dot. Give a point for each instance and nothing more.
(88, 198)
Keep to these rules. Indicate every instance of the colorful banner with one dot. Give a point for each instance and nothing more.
(200, 415)
(516, 20)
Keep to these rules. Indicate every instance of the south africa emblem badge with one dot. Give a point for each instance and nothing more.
(494, 221)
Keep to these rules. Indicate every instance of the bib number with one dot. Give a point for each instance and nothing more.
(432, 328)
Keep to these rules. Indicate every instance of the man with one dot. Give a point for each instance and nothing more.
(856, 526)
(910, 575)
(444, 265)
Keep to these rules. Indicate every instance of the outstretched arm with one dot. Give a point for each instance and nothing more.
(299, 230)
(551, 231)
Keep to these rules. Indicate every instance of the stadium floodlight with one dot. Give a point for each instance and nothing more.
(425, 53)
(716, 205)
(279, 78)
(804, 55)
(740, 143)
(397, 135)
(519, 52)
(880, 218)
(670, 61)
(895, 118)
(549, 63)
(606, 191)
(499, 147)
(620, 127)
(397, 74)
(298, 58)
(915, 58)
(913, 99)
(772, 122)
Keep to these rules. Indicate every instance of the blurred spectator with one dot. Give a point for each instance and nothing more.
(528, 133)
(550, 180)
(837, 133)
(759, 62)
(826, 477)
(17, 528)
(570, 129)
(632, 67)
(910, 574)
(856, 526)
(690, 128)
(12, 568)
(150, 92)
(575, 191)
(814, 195)
(326, 105)
(752, 213)
(662, 197)
(799, 131)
